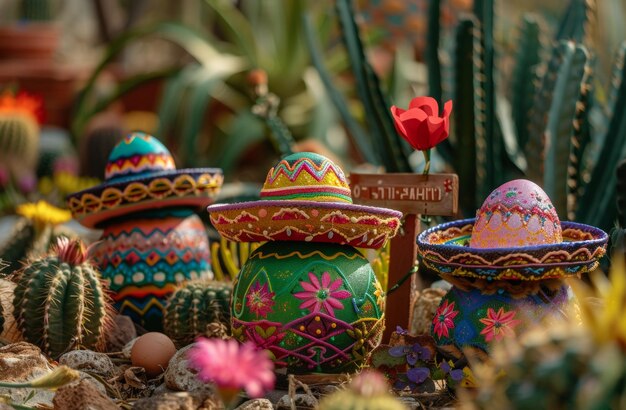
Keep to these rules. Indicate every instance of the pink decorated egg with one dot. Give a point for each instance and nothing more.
(518, 213)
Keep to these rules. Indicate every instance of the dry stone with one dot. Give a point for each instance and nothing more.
(179, 376)
(83, 395)
(89, 361)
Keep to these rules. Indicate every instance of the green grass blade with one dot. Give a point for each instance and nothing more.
(360, 137)
(378, 116)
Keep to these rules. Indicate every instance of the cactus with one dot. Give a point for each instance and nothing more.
(35, 10)
(560, 129)
(60, 303)
(228, 257)
(597, 203)
(524, 74)
(194, 307)
(621, 193)
(33, 233)
(368, 390)
(19, 142)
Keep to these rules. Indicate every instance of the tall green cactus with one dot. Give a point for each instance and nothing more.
(560, 127)
(524, 75)
(193, 307)
(597, 204)
(489, 148)
(60, 303)
(621, 193)
(464, 116)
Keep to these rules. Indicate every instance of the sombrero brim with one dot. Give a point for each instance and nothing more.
(271, 220)
(192, 188)
(442, 249)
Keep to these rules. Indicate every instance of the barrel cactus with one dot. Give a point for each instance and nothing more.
(33, 233)
(194, 308)
(367, 391)
(20, 116)
(60, 303)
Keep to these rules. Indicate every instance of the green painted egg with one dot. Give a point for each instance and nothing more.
(317, 307)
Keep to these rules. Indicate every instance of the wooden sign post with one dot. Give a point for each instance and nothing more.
(413, 195)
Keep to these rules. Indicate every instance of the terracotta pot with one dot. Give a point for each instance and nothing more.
(32, 41)
(55, 83)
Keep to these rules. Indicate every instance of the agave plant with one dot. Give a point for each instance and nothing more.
(251, 36)
(547, 123)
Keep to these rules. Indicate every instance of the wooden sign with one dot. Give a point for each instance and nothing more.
(433, 194)
(412, 194)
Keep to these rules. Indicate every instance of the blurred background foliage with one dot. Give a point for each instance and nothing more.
(537, 86)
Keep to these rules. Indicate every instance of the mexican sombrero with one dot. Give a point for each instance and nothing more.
(141, 175)
(516, 235)
(305, 197)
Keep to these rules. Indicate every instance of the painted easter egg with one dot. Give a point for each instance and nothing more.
(518, 213)
(317, 307)
(144, 258)
(473, 320)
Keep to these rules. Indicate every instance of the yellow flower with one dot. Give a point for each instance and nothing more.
(68, 183)
(42, 213)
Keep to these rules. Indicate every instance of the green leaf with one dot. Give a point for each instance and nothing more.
(361, 138)
(393, 151)
(244, 130)
(190, 40)
(237, 27)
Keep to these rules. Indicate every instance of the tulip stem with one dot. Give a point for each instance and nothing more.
(427, 159)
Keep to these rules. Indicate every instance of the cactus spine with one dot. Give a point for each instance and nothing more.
(194, 307)
(59, 301)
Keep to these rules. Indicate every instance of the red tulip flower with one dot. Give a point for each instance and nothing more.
(421, 124)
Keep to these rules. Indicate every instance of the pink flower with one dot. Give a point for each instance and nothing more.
(232, 366)
(498, 325)
(260, 300)
(443, 319)
(421, 124)
(323, 295)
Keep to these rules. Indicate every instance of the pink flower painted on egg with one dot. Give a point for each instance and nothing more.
(499, 325)
(322, 296)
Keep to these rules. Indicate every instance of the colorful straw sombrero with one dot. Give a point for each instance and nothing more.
(516, 235)
(141, 175)
(305, 197)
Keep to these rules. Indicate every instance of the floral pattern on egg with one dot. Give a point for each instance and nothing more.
(518, 213)
(316, 307)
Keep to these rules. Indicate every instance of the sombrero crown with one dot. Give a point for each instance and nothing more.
(140, 174)
(306, 197)
(516, 235)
